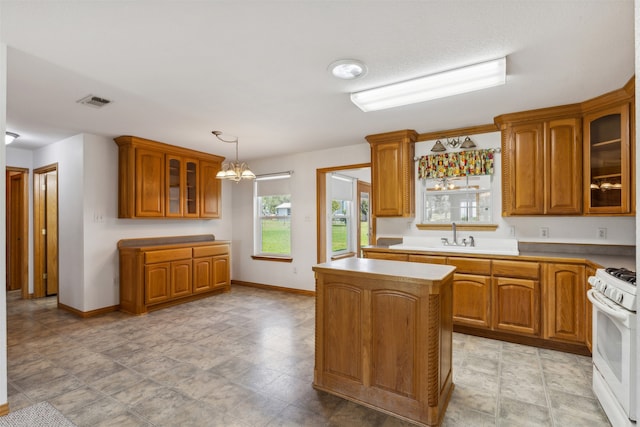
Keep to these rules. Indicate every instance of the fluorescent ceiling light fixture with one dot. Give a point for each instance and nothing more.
(440, 85)
(9, 137)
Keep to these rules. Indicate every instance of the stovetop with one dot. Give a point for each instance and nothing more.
(617, 284)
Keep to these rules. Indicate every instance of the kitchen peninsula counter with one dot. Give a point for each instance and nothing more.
(384, 335)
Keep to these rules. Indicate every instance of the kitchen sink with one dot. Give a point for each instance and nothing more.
(482, 246)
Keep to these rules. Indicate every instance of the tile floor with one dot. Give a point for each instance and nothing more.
(245, 358)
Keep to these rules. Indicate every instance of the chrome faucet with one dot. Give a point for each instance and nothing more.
(455, 234)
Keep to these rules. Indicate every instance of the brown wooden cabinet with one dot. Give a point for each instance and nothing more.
(384, 336)
(565, 295)
(148, 188)
(158, 180)
(536, 302)
(588, 311)
(157, 272)
(516, 297)
(393, 173)
(542, 166)
(182, 189)
(472, 300)
(573, 159)
(607, 161)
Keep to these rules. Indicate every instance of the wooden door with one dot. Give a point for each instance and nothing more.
(175, 186)
(516, 305)
(52, 232)
(523, 174)
(565, 294)
(472, 300)
(563, 167)
(191, 193)
(45, 220)
(17, 250)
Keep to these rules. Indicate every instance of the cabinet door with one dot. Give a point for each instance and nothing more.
(472, 300)
(202, 274)
(149, 183)
(588, 312)
(393, 173)
(156, 282)
(210, 190)
(607, 171)
(180, 279)
(182, 187)
(564, 288)
(516, 305)
(221, 271)
(523, 170)
(563, 174)
(175, 186)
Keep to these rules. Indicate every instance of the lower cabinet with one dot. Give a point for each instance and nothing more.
(516, 296)
(472, 300)
(516, 305)
(565, 296)
(537, 302)
(158, 272)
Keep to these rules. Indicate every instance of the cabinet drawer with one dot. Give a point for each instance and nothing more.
(524, 269)
(471, 265)
(387, 255)
(210, 250)
(167, 255)
(429, 259)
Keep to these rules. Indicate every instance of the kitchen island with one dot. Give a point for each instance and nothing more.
(384, 335)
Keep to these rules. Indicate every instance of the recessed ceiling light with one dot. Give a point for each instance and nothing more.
(9, 137)
(348, 69)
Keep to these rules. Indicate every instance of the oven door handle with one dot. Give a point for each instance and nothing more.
(597, 301)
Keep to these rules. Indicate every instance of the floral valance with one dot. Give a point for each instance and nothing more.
(463, 163)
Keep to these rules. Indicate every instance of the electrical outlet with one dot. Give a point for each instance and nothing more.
(512, 231)
(602, 233)
(544, 232)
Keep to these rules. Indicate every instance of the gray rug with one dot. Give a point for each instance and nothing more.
(39, 415)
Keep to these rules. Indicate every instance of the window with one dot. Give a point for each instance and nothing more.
(272, 218)
(466, 199)
(343, 229)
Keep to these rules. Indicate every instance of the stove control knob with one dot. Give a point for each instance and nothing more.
(617, 296)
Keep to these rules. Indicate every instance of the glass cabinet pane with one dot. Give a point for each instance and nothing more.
(191, 187)
(174, 186)
(606, 161)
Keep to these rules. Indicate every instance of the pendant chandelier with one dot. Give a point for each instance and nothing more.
(233, 171)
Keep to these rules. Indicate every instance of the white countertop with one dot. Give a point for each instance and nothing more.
(410, 270)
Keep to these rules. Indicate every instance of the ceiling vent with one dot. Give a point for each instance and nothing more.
(94, 101)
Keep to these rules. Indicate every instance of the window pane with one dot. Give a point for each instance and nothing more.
(276, 235)
(341, 226)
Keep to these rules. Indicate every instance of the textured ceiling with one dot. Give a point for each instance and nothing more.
(175, 70)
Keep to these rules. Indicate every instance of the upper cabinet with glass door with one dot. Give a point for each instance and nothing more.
(607, 161)
(182, 187)
(157, 180)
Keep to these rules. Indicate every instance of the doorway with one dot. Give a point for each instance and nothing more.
(45, 226)
(321, 206)
(17, 229)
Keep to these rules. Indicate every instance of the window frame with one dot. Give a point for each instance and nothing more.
(258, 217)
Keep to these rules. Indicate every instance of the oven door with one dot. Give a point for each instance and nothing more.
(613, 349)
